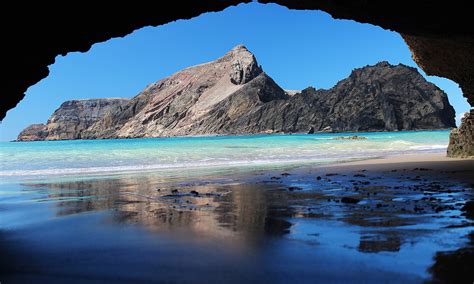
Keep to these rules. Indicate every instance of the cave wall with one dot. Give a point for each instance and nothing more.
(450, 57)
(461, 140)
(42, 30)
(439, 34)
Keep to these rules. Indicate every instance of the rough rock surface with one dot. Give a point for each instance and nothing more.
(71, 119)
(461, 140)
(179, 104)
(34, 132)
(383, 97)
(373, 98)
(232, 95)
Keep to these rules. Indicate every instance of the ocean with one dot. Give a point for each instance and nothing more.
(197, 155)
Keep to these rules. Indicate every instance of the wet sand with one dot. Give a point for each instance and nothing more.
(456, 167)
(405, 219)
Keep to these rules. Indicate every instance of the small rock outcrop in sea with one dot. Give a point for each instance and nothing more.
(71, 119)
(233, 95)
(355, 137)
(461, 140)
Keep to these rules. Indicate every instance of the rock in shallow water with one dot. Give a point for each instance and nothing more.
(355, 137)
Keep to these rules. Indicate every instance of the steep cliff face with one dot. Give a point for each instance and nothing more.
(386, 97)
(232, 95)
(71, 119)
(374, 98)
(34, 132)
(178, 104)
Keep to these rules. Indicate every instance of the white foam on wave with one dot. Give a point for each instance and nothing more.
(205, 163)
(138, 168)
(429, 147)
(220, 162)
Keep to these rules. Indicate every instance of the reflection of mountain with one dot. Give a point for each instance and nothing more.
(247, 210)
(380, 241)
(243, 213)
(231, 213)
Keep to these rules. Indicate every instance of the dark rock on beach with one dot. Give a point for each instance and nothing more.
(350, 200)
(293, 188)
(360, 175)
(468, 209)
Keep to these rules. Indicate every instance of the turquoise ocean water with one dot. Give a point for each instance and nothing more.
(26, 160)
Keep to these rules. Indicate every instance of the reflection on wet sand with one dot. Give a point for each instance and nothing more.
(250, 212)
(360, 216)
(210, 211)
(384, 241)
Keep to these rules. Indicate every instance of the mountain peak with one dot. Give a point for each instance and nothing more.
(244, 65)
(383, 69)
(239, 51)
(240, 47)
(384, 64)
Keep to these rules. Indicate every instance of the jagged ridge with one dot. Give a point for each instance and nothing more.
(232, 95)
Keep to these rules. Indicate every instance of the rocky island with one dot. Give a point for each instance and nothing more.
(233, 95)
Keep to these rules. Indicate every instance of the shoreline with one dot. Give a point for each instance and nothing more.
(462, 168)
(240, 135)
(438, 162)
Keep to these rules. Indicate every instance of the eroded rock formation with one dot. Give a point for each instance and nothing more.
(71, 119)
(232, 95)
(34, 132)
(461, 140)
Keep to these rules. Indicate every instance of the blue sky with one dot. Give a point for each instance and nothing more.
(297, 48)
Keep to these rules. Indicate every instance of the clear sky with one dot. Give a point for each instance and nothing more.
(296, 48)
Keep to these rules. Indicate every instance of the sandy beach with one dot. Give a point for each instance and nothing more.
(396, 219)
(439, 163)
